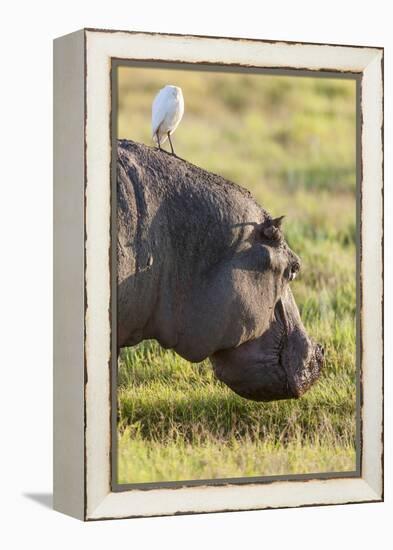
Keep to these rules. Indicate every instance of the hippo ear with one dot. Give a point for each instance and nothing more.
(271, 229)
(277, 222)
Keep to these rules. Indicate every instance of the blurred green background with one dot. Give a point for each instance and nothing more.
(292, 142)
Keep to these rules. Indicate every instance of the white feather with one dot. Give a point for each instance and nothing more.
(167, 112)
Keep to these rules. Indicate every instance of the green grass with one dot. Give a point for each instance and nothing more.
(291, 141)
(174, 415)
(143, 461)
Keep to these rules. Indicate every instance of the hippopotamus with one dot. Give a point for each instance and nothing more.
(203, 269)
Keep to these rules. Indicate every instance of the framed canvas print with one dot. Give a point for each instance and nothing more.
(218, 274)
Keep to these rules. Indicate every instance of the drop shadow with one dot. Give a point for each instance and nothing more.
(45, 499)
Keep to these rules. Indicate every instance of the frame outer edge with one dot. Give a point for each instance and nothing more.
(103, 504)
(372, 274)
(68, 290)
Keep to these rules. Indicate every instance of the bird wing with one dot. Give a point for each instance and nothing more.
(159, 109)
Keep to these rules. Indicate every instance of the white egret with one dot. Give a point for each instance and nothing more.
(167, 111)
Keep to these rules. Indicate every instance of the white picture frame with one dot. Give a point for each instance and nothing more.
(83, 348)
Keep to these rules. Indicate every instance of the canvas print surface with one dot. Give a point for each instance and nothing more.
(236, 326)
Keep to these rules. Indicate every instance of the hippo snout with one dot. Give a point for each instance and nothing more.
(255, 371)
(302, 376)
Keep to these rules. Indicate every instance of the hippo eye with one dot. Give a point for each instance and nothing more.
(292, 270)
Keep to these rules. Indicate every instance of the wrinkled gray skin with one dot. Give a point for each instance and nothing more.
(203, 269)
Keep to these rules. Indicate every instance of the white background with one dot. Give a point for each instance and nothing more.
(26, 271)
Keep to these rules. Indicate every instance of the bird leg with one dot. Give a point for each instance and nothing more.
(173, 151)
(158, 141)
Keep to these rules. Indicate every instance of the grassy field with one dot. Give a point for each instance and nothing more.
(291, 141)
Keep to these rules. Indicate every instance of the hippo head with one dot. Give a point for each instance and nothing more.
(283, 362)
(241, 313)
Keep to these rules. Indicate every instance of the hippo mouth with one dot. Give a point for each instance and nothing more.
(283, 363)
(300, 357)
